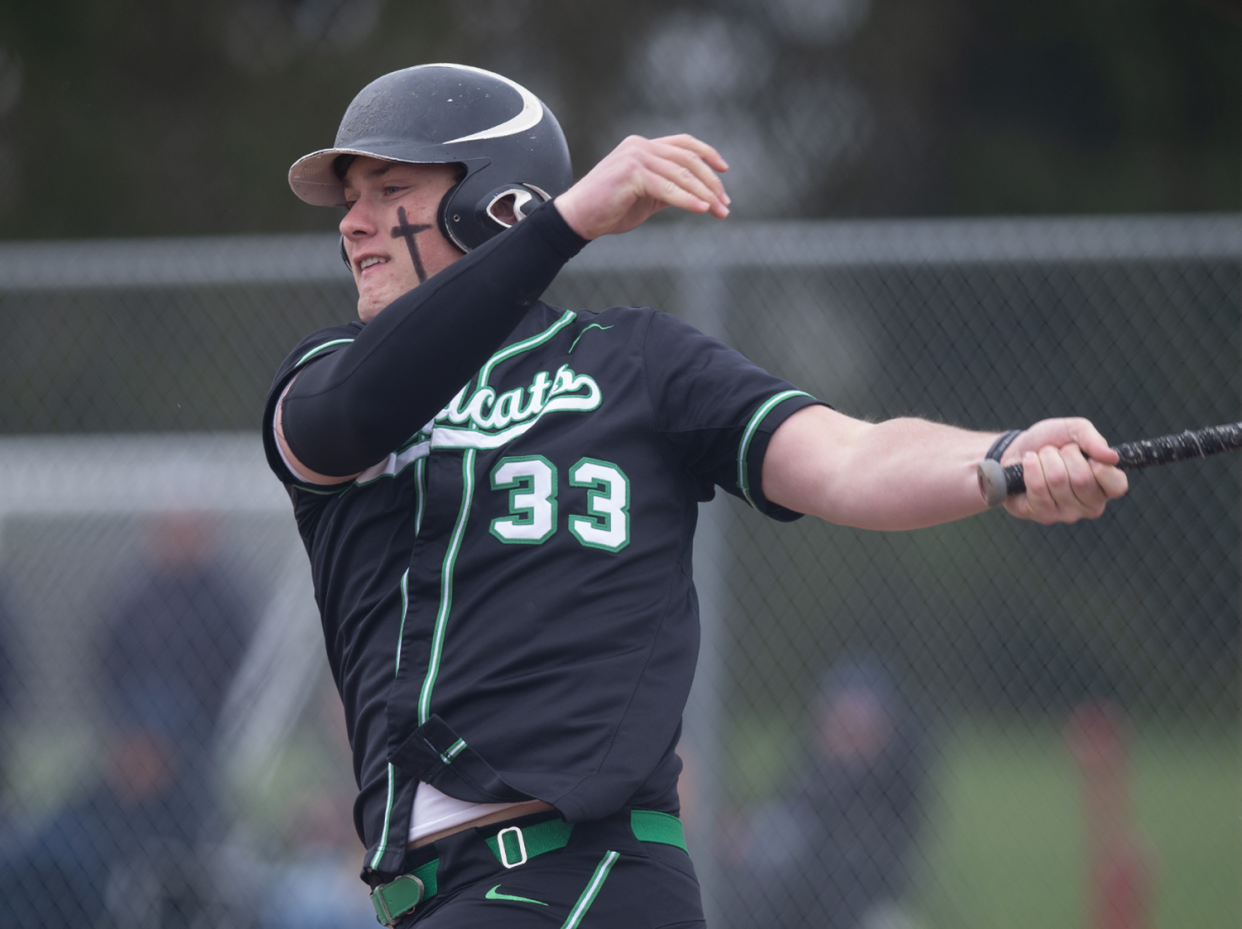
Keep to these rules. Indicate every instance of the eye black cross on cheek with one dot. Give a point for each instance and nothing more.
(405, 231)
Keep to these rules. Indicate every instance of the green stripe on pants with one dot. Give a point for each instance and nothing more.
(591, 892)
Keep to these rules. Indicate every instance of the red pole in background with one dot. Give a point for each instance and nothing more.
(1119, 859)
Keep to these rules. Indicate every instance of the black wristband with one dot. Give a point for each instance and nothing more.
(1002, 443)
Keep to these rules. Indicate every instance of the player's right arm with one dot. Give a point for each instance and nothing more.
(639, 178)
(291, 460)
(344, 412)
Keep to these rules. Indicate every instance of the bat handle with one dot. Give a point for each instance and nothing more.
(997, 483)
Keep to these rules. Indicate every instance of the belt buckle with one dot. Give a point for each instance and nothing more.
(378, 900)
(504, 854)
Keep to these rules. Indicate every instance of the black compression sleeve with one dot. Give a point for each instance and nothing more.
(347, 411)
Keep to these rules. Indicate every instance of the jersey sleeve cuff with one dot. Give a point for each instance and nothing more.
(754, 446)
(275, 460)
(271, 448)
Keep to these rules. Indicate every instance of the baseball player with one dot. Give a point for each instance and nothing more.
(499, 497)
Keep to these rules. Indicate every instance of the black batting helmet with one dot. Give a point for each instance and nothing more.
(504, 137)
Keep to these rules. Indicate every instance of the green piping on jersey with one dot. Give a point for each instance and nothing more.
(591, 892)
(420, 476)
(584, 332)
(319, 348)
(405, 606)
(334, 492)
(452, 751)
(525, 345)
(459, 529)
(383, 845)
(743, 450)
(446, 586)
(405, 609)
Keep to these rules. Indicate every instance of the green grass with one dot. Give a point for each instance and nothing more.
(1189, 801)
(54, 762)
(1005, 846)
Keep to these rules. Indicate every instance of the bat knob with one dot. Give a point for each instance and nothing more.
(992, 484)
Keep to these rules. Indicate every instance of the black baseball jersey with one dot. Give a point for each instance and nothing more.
(507, 598)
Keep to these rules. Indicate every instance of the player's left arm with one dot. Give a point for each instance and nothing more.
(909, 473)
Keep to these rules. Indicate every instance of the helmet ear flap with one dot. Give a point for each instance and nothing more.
(447, 222)
(492, 209)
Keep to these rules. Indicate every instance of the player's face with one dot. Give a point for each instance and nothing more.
(392, 239)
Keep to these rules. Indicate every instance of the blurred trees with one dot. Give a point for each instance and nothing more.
(152, 117)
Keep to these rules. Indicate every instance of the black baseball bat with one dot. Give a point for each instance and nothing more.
(997, 483)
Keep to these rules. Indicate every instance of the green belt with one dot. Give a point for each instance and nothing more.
(513, 846)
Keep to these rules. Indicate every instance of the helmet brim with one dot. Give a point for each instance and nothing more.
(313, 177)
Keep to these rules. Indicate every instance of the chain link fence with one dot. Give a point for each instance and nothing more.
(988, 723)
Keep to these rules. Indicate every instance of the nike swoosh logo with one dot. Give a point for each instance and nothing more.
(530, 115)
(493, 895)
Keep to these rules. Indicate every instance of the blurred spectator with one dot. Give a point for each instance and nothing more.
(129, 852)
(184, 618)
(8, 694)
(8, 669)
(319, 883)
(831, 850)
(320, 873)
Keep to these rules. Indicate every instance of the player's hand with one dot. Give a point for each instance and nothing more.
(1069, 471)
(641, 177)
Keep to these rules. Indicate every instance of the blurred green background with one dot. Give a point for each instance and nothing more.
(175, 117)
